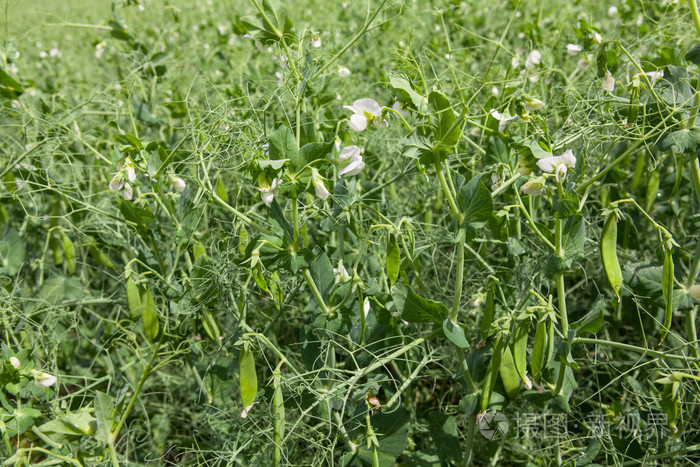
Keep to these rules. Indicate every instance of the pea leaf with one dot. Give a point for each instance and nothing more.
(443, 118)
(282, 145)
(455, 333)
(416, 309)
(592, 321)
(477, 205)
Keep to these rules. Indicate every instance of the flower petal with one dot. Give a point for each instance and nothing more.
(349, 152)
(368, 105)
(568, 158)
(358, 122)
(128, 192)
(267, 197)
(353, 168)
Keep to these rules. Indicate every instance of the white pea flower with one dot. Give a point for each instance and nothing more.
(341, 272)
(612, 11)
(343, 72)
(321, 190)
(44, 379)
(558, 164)
(177, 183)
(14, 361)
(315, 41)
(366, 112)
(503, 119)
(533, 104)
(399, 107)
(128, 168)
(117, 182)
(694, 292)
(366, 307)
(128, 192)
(268, 191)
(350, 161)
(54, 53)
(535, 58)
(597, 38)
(573, 49)
(534, 186)
(608, 82)
(515, 62)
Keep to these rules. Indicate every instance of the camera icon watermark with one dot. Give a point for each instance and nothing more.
(494, 426)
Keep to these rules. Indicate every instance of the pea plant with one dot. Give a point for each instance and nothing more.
(325, 233)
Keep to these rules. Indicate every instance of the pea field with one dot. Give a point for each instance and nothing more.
(349, 233)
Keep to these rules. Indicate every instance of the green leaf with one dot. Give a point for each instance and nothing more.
(277, 214)
(443, 119)
(416, 309)
(283, 145)
(680, 141)
(593, 320)
(274, 164)
(392, 431)
(476, 204)
(9, 87)
(322, 273)
(314, 151)
(278, 26)
(455, 333)
(407, 92)
(443, 430)
(104, 413)
(693, 55)
(573, 236)
(12, 252)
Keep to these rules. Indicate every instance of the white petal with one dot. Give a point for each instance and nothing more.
(178, 184)
(267, 197)
(548, 163)
(321, 190)
(128, 192)
(573, 49)
(14, 361)
(349, 152)
(358, 122)
(530, 188)
(45, 379)
(343, 72)
(568, 158)
(353, 168)
(117, 182)
(560, 173)
(495, 114)
(368, 105)
(275, 183)
(533, 59)
(366, 307)
(383, 124)
(608, 82)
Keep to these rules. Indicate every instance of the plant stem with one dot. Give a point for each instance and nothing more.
(694, 13)
(295, 224)
(633, 348)
(459, 279)
(561, 301)
(531, 222)
(448, 193)
(146, 371)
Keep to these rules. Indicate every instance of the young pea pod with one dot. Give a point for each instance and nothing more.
(149, 316)
(68, 253)
(278, 415)
(539, 351)
(608, 250)
(520, 351)
(221, 191)
(133, 299)
(57, 250)
(638, 171)
(652, 189)
(509, 375)
(101, 258)
(248, 379)
(667, 289)
(492, 373)
(489, 308)
(393, 259)
(198, 250)
(209, 325)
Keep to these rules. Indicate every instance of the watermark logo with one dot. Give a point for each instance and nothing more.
(493, 425)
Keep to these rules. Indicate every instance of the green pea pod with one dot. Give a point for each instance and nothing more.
(133, 299)
(492, 373)
(539, 350)
(667, 289)
(149, 315)
(57, 250)
(509, 375)
(550, 344)
(393, 259)
(520, 351)
(198, 250)
(652, 190)
(68, 253)
(209, 325)
(278, 414)
(638, 171)
(260, 279)
(248, 379)
(221, 191)
(489, 308)
(608, 250)
(101, 258)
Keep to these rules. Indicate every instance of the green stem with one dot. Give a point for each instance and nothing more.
(316, 293)
(459, 279)
(694, 268)
(696, 16)
(295, 224)
(505, 185)
(695, 173)
(633, 348)
(531, 222)
(238, 214)
(146, 371)
(561, 301)
(448, 193)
